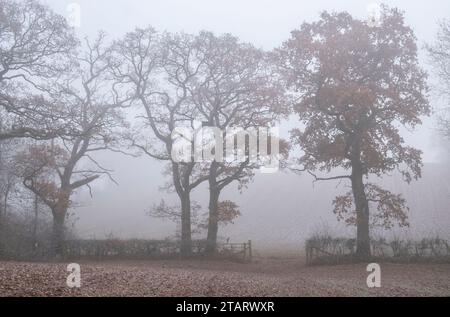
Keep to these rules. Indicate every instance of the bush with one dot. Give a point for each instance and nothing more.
(20, 239)
(324, 249)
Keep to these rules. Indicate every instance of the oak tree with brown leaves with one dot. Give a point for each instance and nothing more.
(356, 85)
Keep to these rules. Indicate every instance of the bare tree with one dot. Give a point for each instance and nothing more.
(352, 104)
(160, 70)
(237, 90)
(36, 45)
(55, 171)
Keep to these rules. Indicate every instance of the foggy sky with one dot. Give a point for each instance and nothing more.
(265, 23)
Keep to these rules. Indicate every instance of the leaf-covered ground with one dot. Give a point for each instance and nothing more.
(264, 277)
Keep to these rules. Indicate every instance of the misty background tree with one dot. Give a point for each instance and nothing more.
(439, 53)
(8, 177)
(356, 86)
(55, 170)
(35, 50)
(36, 47)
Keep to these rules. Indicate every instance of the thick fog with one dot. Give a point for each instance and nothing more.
(278, 210)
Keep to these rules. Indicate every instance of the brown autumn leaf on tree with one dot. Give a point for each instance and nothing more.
(227, 212)
(37, 167)
(355, 87)
(391, 208)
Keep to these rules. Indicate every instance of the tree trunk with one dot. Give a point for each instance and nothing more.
(1, 229)
(59, 215)
(5, 203)
(57, 247)
(186, 236)
(3, 215)
(35, 222)
(213, 221)
(362, 214)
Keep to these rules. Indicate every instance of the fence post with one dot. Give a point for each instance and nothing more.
(308, 254)
(250, 250)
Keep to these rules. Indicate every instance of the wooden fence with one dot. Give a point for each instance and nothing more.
(239, 251)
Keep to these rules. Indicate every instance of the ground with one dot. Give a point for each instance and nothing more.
(263, 277)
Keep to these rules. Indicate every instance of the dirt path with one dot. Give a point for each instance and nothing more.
(264, 277)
